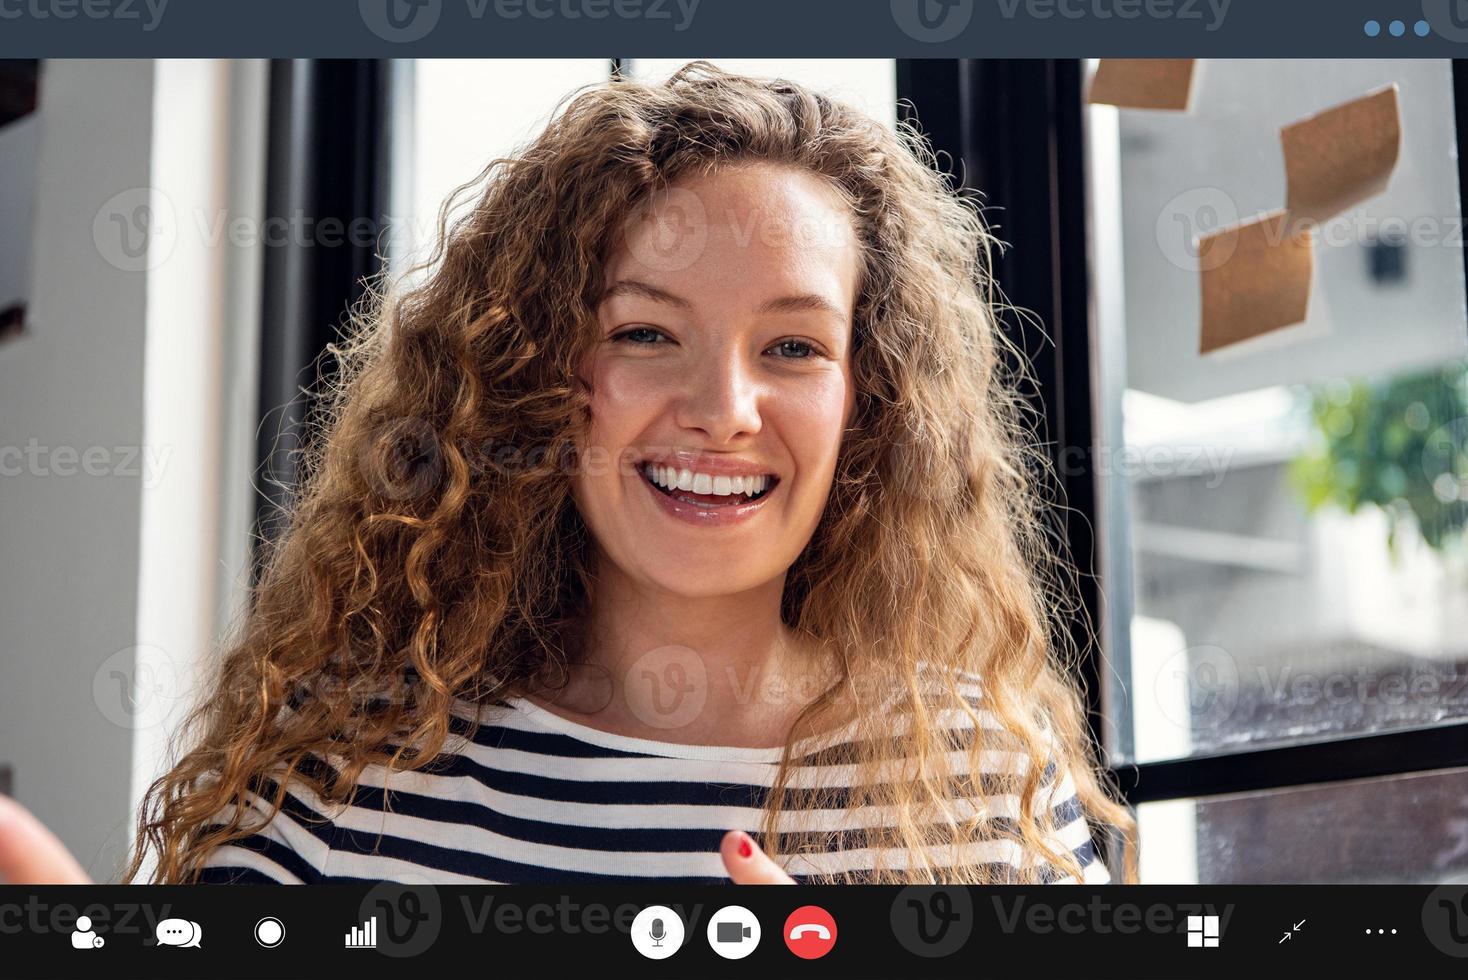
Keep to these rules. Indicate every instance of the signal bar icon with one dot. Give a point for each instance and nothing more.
(364, 936)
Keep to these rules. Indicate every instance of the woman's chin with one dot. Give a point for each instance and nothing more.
(708, 578)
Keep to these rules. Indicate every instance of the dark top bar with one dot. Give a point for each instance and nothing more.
(730, 28)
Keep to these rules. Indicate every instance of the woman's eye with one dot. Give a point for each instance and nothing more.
(797, 349)
(639, 335)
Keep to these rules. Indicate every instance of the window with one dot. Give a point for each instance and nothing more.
(1287, 563)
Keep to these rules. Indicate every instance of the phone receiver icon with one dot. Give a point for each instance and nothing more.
(821, 931)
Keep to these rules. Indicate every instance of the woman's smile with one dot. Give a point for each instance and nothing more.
(708, 493)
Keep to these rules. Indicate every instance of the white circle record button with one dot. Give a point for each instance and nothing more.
(270, 932)
(733, 932)
(657, 932)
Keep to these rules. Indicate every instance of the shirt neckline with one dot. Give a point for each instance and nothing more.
(672, 750)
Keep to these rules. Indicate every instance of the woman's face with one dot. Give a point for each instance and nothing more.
(721, 380)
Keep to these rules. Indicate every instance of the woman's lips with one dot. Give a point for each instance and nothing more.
(706, 509)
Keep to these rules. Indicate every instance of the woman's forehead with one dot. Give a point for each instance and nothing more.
(786, 230)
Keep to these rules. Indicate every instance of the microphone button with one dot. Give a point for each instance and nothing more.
(657, 932)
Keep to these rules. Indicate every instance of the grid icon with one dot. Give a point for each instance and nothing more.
(1202, 930)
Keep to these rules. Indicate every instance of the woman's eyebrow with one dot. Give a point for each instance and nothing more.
(634, 287)
(801, 303)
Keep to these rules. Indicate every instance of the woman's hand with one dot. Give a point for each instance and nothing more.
(30, 854)
(747, 864)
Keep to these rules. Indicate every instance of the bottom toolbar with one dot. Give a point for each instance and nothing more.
(851, 932)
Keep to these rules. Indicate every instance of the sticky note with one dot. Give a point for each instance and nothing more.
(1143, 83)
(1255, 279)
(1338, 158)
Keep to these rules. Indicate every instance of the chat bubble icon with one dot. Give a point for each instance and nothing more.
(179, 932)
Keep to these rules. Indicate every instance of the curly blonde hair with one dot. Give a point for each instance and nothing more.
(428, 557)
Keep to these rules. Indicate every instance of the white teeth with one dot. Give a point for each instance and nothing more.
(671, 478)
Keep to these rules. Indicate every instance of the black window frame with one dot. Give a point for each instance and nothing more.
(328, 166)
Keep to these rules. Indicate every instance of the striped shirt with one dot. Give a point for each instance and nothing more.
(530, 797)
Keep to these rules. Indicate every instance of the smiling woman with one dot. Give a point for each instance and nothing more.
(773, 602)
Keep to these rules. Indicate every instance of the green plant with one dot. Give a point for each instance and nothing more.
(1400, 445)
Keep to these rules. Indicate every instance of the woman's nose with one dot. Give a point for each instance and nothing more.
(720, 399)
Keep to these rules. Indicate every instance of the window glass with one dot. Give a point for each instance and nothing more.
(1287, 513)
(461, 114)
(1339, 833)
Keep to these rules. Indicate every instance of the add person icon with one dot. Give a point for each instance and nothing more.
(84, 937)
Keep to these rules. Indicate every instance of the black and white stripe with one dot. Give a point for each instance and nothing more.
(534, 798)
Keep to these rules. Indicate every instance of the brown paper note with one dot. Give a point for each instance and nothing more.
(1256, 278)
(1143, 83)
(1340, 157)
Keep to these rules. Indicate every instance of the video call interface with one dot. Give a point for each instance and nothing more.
(489, 480)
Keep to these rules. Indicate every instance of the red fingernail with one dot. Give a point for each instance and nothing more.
(745, 850)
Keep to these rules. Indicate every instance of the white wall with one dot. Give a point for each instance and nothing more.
(68, 540)
(135, 385)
